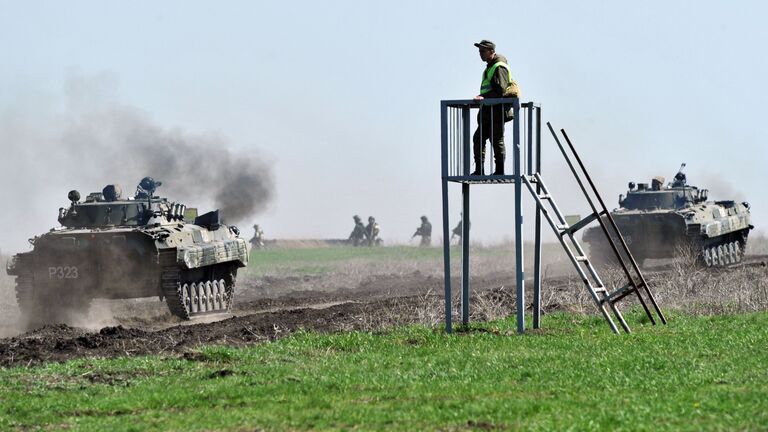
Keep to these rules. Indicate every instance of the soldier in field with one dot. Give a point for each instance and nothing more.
(372, 232)
(425, 231)
(357, 237)
(257, 242)
(457, 232)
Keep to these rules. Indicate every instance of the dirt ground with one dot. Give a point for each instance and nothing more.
(272, 307)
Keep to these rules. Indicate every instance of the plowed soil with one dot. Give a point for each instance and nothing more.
(377, 302)
(271, 308)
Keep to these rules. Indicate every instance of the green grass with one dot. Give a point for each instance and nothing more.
(323, 260)
(698, 373)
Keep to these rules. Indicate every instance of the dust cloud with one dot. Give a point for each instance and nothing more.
(85, 137)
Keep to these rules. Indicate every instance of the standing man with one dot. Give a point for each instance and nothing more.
(257, 242)
(458, 231)
(496, 82)
(372, 232)
(357, 237)
(425, 231)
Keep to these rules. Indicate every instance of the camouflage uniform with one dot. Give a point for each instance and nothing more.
(257, 242)
(458, 231)
(358, 232)
(490, 119)
(425, 231)
(372, 232)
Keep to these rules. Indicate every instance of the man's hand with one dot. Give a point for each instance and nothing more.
(479, 98)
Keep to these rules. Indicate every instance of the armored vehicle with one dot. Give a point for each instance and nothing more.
(120, 248)
(664, 221)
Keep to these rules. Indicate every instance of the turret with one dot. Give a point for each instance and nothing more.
(109, 208)
(677, 194)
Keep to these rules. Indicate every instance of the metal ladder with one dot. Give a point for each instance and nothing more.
(636, 282)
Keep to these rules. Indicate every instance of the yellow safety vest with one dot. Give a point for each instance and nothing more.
(485, 85)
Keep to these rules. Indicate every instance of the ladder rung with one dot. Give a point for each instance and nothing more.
(619, 293)
(562, 228)
(582, 223)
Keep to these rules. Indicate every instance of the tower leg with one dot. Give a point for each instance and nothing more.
(465, 225)
(519, 262)
(446, 239)
(537, 228)
(537, 272)
(447, 259)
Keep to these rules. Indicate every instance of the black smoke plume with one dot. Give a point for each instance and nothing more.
(105, 141)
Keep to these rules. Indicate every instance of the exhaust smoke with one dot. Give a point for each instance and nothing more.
(113, 139)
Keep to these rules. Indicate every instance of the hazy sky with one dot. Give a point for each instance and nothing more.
(341, 99)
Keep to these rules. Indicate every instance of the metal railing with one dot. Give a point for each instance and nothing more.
(460, 121)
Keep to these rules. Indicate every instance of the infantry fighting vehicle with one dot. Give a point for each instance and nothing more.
(120, 248)
(663, 221)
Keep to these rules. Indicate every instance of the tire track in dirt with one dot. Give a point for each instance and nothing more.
(378, 302)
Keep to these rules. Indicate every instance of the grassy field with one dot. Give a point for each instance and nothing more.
(323, 260)
(326, 259)
(698, 373)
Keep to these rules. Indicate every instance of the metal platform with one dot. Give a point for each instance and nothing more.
(489, 179)
(456, 149)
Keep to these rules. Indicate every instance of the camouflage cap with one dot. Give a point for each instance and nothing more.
(486, 44)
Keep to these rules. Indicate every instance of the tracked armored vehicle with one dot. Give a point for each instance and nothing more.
(122, 248)
(664, 221)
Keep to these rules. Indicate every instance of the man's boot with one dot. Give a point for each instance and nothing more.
(499, 168)
(478, 168)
